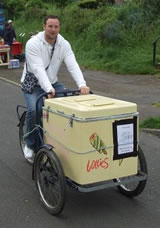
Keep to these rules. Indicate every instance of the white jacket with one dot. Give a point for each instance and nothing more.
(38, 53)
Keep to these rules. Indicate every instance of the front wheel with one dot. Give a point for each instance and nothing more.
(133, 189)
(22, 131)
(50, 180)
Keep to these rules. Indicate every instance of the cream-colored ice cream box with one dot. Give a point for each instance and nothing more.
(95, 137)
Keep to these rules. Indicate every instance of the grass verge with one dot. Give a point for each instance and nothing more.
(153, 123)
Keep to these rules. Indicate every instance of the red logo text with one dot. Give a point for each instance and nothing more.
(96, 164)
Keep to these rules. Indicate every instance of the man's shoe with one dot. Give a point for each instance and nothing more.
(30, 160)
(29, 154)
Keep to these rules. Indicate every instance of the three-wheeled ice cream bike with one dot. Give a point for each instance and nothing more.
(89, 142)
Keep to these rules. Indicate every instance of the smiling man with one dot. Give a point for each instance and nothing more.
(45, 53)
(51, 28)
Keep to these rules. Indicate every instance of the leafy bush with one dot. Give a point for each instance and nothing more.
(62, 3)
(35, 13)
(13, 9)
(34, 4)
(90, 4)
(78, 21)
(114, 32)
(152, 5)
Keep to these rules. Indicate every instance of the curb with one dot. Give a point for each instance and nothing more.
(9, 81)
(151, 131)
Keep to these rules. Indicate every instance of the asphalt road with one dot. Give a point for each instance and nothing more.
(20, 205)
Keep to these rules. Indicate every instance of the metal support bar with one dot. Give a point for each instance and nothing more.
(104, 185)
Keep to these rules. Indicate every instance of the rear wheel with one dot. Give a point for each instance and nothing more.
(50, 180)
(133, 189)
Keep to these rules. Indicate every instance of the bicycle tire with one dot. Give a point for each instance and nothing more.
(50, 180)
(135, 188)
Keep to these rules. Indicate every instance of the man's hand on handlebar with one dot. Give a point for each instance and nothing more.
(84, 90)
(52, 93)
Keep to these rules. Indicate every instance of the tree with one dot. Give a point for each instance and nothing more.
(13, 9)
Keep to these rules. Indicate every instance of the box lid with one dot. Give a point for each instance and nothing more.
(90, 106)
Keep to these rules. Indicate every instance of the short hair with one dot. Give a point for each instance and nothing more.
(51, 17)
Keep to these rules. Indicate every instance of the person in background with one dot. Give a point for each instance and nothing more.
(45, 53)
(10, 22)
(9, 36)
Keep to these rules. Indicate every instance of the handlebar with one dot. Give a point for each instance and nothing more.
(18, 110)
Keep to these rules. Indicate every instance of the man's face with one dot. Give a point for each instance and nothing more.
(51, 28)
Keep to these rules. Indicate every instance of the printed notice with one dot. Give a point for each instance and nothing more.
(125, 138)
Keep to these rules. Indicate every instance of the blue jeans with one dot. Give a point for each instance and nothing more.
(30, 99)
